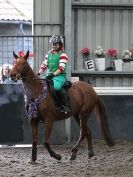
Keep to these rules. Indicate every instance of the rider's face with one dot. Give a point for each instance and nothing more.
(55, 46)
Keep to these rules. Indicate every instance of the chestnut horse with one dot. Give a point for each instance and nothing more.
(83, 100)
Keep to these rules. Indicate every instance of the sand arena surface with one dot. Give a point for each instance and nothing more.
(108, 162)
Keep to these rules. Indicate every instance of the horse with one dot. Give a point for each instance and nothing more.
(83, 100)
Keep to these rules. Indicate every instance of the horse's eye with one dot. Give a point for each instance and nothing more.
(23, 64)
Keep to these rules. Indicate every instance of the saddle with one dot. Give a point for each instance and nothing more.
(66, 86)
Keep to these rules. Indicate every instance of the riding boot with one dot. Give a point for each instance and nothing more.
(64, 98)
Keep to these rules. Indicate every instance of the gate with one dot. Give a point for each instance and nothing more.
(37, 45)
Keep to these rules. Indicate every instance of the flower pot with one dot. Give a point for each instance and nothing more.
(89, 65)
(109, 64)
(100, 64)
(126, 60)
(118, 64)
(127, 66)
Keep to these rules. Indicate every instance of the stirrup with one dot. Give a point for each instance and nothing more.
(67, 110)
(64, 110)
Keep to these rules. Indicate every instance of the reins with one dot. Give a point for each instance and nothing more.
(32, 78)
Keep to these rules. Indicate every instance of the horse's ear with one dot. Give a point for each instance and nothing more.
(27, 55)
(15, 56)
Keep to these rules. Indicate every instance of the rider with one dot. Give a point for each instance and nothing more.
(55, 63)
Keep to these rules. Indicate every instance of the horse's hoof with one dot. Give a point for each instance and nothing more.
(32, 162)
(73, 156)
(90, 154)
(57, 156)
(92, 158)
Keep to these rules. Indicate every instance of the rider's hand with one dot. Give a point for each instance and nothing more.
(50, 76)
(38, 74)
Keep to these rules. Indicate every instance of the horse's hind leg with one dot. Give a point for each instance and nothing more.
(34, 128)
(48, 128)
(89, 140)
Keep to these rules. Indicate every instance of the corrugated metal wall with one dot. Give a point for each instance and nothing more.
(47, 20)
(48, 17)
(110, 28)
(108, 23)
(105, 1)
(105, 23)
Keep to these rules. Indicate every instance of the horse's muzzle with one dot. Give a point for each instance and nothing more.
(14, 77)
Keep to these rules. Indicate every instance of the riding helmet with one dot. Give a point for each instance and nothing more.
(56, 39)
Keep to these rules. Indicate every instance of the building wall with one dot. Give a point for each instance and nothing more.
(107, 26)
(48, 17)
(92, 23)
(47, 20)
(105, 1)
(105, 23)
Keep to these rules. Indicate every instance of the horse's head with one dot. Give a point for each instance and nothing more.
(20, 68)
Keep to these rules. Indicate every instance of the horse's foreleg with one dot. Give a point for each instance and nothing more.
(84, 133)
(87, 132)
(48, 129)
(34, 129)
(76, 146)
(81, 138)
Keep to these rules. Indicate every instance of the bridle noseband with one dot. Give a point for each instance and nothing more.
(19, 74)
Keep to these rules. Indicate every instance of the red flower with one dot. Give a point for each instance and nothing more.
(21, 54)
(85, 51)
(131, 50)
(112, 52)
(31, 54)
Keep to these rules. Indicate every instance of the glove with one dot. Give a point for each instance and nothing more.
(38, 74)
(50, 76)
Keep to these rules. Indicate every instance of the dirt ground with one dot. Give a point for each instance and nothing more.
(108, 162)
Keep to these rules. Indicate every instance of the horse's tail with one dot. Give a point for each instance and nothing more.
(103, 121)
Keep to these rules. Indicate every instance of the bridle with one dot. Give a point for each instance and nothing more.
(19, 75)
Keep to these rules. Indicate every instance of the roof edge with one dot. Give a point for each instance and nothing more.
(15, 22)
(19, 9)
